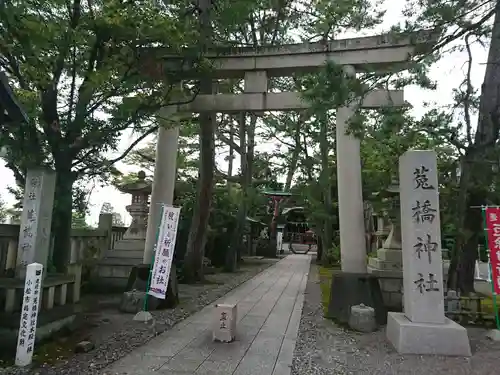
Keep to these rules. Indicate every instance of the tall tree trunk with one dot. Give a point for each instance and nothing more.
(319, 252)
(476, 173)
(246, 155)
(248, 182)
(193, 261)
(295, 153)
(61, 218)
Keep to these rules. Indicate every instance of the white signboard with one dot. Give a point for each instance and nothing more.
(29, 314)
(164, 251)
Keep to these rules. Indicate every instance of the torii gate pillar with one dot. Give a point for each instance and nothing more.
(353, 285)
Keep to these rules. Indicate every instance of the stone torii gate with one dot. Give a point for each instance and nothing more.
(375, 53)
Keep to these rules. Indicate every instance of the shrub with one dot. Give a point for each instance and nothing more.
(331, 257)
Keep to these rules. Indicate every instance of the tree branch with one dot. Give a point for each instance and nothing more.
(468, 92)
(75, 13)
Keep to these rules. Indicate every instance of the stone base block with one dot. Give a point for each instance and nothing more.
(350, 289)
(384, 265)
(393, 301)
(448, 339)
(391, 285)
(390, 255)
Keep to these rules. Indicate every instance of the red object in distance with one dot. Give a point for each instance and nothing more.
(493, 229)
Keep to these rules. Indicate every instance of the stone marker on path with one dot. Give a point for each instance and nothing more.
(423, 327)
(224, 324)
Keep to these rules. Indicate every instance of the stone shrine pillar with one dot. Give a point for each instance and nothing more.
(36, 219)
(423, 327)
(350, 196)
(163, 182)
(352, 286)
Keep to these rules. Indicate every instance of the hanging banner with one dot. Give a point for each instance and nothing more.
(164, 251)
(493, 228)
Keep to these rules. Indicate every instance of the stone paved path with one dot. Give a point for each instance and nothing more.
(269, 311)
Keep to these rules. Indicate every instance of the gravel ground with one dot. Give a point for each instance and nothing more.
(324, 348)
(115, 334)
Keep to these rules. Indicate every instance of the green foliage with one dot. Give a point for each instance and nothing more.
(77, 76)
(78, 70)
(78, 221)
(331, 257)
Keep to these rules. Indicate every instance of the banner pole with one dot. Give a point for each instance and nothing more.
(494, 295)
(153, 259)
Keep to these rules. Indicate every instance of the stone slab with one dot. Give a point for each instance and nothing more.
(447, 339)
(384, 265)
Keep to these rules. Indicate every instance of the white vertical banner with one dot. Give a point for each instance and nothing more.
(29, 314)
(279, 242)
(164, 251)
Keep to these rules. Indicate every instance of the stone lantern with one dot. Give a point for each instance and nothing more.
(139, 207)
(391, 195)
(388, 264)
(113, 270)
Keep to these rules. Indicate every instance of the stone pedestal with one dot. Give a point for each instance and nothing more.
(423, 327)
(447, 338)
(350, 289)
(387, 266)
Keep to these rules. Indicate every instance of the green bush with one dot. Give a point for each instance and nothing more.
(331, 257)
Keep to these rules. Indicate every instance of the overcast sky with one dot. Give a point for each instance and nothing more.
(449, 72)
